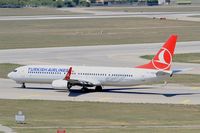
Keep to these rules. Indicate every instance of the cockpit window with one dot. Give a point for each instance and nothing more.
(14, 70)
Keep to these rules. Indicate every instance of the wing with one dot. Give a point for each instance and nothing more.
(84, 82)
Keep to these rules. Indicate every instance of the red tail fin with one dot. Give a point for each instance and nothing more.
(163, 59)
(67, 77)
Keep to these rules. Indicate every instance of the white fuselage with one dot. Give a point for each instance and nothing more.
(106, 76)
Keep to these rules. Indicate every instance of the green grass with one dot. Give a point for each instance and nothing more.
(195, 1)
(184, 79)
(196, 16)
(33, 12)
(58, 33)
(185, 57)
(151, 9)
(5, 68)
(53, 114)
(115, 130)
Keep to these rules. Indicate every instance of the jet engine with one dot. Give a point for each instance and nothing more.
(59, 84)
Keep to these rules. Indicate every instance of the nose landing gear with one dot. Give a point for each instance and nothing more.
(23, 85)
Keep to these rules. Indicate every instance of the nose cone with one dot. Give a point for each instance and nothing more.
(10, 75)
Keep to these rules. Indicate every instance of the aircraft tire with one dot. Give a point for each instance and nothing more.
(69, 86)
(23, 85)
(98, 89)
(84, 89)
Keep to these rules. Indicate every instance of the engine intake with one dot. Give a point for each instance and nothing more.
(59, 84)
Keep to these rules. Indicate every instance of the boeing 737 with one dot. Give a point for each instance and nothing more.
(66, 76)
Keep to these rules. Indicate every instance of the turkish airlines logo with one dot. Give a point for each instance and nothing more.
(163, 59)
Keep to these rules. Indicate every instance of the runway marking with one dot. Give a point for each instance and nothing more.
(186, 101)
(195, 88)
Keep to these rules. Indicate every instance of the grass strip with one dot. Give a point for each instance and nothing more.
(5, 68)
(33, 12)
(151, 9)
(126, 117)
(81, 32)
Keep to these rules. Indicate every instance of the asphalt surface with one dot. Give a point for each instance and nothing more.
(178, 16)
(185, 16)
(5, 129)
(171, 93)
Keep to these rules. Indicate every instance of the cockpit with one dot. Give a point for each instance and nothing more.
(18, 74)
(14, 70)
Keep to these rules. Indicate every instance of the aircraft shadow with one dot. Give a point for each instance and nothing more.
(150, 93)
(40, 88)
(75, 93)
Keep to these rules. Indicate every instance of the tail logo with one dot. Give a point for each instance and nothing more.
(162, 60)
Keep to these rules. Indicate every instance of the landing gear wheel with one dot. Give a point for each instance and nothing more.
(84, 89)
(69, 86)
(98, 89)
(23, 85)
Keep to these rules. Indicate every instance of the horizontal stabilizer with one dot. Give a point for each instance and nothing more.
(174, 71)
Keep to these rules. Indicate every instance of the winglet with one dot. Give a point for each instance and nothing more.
(67, 77)
(163, 59)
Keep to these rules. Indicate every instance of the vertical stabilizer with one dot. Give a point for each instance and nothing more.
(163, 59)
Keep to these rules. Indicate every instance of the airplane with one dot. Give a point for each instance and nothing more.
(66, 76)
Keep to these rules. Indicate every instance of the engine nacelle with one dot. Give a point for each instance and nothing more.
(59, 84)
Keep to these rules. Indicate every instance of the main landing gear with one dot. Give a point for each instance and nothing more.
(98, 89)
(69, 86)
(84, 89)
(23, 85)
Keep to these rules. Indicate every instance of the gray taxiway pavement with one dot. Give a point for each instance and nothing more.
(186, 16)
(171, 93)
(176, 16)
(5, 129)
